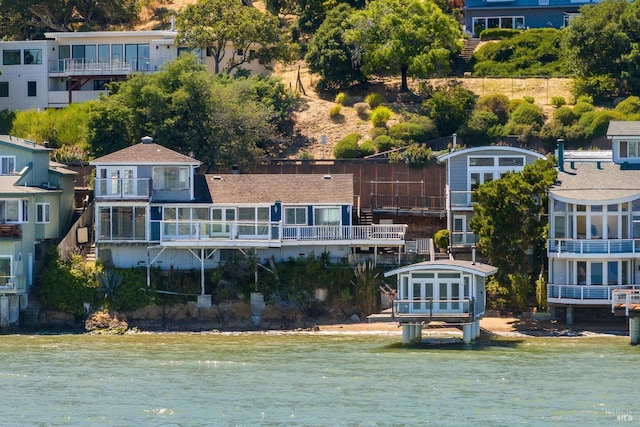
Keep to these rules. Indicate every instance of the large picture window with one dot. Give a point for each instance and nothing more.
(171, 178)
(327, 216)
(11, 57)
(32, 56)
(253, 221)
(13, 211)
(122, 222)
(629, 149)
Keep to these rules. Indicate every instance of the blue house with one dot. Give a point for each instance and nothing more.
(152, 208)
(519, 14)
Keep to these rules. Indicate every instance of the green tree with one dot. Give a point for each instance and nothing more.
(226, 27)
(509, 219)
(411, 37)
(450, 106)
(221, 121)
(328, 54)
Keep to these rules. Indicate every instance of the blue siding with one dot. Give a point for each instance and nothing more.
(346, 215)
(276, 211)
(309, 215)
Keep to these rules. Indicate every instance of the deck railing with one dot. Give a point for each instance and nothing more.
(461, 199)
(585, 292)
(625, 298)
(82, 66)
(430, 308)
(122, 188)
(593, 246)
(275, 231)
(396, 202)
(463, 238)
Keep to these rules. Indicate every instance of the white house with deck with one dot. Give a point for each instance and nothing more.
(70, 67)
(594, 224)
(152, 208)
(449, 292)
(469, 168)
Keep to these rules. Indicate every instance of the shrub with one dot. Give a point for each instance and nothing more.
(585, 98)
(529, 99)
(527, 114)
(380, 115)
(341, 98)
(498, 104)
(132, 293)
(347, 147)
(367, 148)
(600, 122)
(374, 100)
(450, 106)
(630, 107)
(558, 101)
(362, 108)
(600, 88)
(335, 111)
(441, 238)
(482, 127)
(564, 115)
(384, 143)
(582, 107)
(375, 132)
(414, 155)
(498, 34)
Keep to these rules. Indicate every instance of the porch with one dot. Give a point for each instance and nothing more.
(275, 234)
(591, 295)
(557, 247)
(451, 311)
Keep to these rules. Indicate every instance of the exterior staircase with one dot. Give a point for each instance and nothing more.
(470, 46)
(366, 217)
(91, 253)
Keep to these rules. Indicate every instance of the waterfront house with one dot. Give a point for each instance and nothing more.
(594, 225)
(436, 292)
(520, 14)
(36, 209)
(70, 67)
(469, 168)
(152, 208)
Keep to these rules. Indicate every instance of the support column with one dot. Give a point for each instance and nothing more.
(477, 328)
(634, 330)
(14, 309)
(467, 334)
(406, 333)
(4, 311)
(569, 316)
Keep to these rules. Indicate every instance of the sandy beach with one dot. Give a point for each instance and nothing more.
(498, 326)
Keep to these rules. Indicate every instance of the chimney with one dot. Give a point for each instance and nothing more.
(560, 155)
(453, 145)
(234, 170)
(146, 140)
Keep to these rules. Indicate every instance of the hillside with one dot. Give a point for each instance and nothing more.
(312, 115)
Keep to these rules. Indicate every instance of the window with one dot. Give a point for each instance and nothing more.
(11, 57)
(33, 56)
(295, 216)
(327, 216)
(629, 149)
(13, 210)
(122, 222)
(99, 84)
(42, 212)
(7, 165)
(137, 56)
(4, 89)
(171, 178)
(253, 221)
(481, 161)
(6, 274)
(31, 89)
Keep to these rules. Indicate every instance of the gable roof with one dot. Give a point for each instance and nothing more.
(289, 188)
(618, 128)
(475, 150)
(478, 268)
(22, 143)
(146, 153)
(588, 183)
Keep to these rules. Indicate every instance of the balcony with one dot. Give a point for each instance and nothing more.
(274, 234)
(558, 247)
(10, 231)
(625, 301)
(461, 200)
(382, 202)
(463, 238)
(584, 294)
(84, 67)
(430, 309)
(122, 188)
(10, 285)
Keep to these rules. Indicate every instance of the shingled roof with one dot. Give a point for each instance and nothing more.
(289, 189)
(619, 128)
(145, 153)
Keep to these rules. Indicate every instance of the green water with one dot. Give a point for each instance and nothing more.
(314, 380)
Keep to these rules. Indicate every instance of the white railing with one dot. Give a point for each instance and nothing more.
(122, 188)
(81, 66)
(461, 199)
(275, 231)
(592, 246)
(8, 284)
(429, 307)
(584, 292)
(625, 298)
